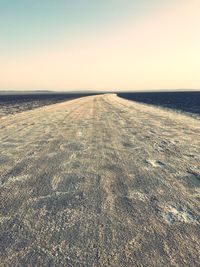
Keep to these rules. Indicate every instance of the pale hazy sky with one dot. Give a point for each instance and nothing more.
(99, 44)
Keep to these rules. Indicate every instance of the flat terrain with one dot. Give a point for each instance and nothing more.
(181, 101)
(99, 181)
(14, 102)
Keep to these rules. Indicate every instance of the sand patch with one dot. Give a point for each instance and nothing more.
(55, 182)
(154, 163)
(137, 195)
(178, 214)
(17, 179)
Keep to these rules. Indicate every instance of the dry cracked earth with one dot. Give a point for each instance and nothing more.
(99, 181)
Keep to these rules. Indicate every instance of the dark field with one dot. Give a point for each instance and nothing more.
(14, 103)
(180, 101)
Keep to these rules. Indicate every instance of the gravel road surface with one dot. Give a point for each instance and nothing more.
(99, 181)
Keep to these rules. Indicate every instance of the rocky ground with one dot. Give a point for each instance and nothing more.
(99, 181)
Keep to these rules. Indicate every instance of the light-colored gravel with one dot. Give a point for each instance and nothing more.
(99, 181)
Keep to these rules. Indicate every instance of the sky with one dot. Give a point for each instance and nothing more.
(99, 45)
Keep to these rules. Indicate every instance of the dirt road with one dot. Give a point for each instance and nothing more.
(99, 181)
